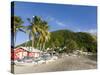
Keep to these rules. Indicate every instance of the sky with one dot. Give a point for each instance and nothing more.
(59, 16)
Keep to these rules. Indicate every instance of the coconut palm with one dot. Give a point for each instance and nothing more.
(44, 35)
(46, 39)
(16, 26)
(34, 28)
(38, 29)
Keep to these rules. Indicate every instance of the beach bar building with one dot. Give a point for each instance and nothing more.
(21, 52)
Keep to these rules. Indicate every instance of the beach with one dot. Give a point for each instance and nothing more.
(67, 63)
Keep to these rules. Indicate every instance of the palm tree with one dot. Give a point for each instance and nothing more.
(38, 29)
(44, 35)
(16, 26)
(46, 39)
(34, 28)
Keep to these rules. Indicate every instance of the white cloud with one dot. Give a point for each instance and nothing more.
(92, 31)
(60, 23)
(49, 18)
(76, 29)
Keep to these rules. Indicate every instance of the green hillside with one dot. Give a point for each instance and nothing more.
(70, 41)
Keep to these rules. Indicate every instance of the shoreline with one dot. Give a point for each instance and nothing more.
(68, 63)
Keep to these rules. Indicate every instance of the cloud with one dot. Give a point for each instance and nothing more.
(93, 31)
(60, 23)
(49, 18)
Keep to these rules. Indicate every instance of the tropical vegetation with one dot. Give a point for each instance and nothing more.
(61, 41)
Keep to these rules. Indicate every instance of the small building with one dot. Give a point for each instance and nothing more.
(21, 52)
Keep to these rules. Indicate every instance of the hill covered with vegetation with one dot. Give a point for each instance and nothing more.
(69, 41)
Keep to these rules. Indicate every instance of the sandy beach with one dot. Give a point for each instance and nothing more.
(67, 63)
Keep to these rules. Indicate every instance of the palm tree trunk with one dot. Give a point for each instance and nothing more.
(32, 41)
(37, 44)
(15, 39)
(40, 46)
(26, 44)
(44, 46)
